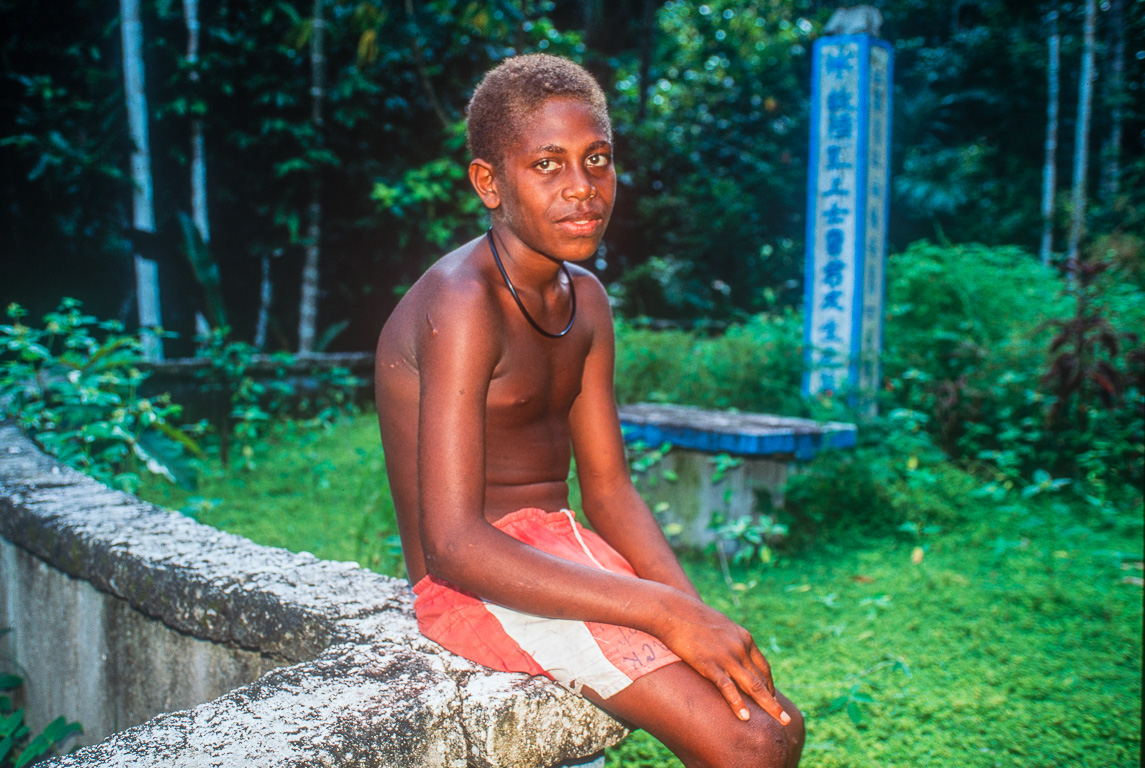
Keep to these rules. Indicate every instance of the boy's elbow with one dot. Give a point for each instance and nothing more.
(456, 552)
(435, 565)
(444, 559)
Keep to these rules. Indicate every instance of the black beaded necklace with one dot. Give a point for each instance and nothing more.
(520, 304)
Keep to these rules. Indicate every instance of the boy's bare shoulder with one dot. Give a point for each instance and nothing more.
(452, 292)
(458, 275)
(592, 297)
(452, 302)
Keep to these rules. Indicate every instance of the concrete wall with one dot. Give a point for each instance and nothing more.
(93, 658)
(256, 656)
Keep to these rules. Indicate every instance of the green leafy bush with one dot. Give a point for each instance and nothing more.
(245, 403)
(972, 333)
(895, 479)
(241, 406)
(74, 386)
(756, 366)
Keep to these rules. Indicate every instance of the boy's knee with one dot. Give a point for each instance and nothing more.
(796, 730)
(759, 743)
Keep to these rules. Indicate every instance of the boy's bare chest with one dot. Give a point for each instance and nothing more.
(536, 381)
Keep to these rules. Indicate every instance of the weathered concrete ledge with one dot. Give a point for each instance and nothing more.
(365, 688)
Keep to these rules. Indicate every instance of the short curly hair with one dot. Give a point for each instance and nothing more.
(514, 90)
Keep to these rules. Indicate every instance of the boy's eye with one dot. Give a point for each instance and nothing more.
(546, 165)
(599, 160)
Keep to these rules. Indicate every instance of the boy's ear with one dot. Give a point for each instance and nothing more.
(483, 179)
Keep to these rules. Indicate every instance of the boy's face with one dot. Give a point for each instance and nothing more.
(555, 186)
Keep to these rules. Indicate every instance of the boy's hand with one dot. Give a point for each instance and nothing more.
(725, 653)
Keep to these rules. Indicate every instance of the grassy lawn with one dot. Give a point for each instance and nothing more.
(1016, 640)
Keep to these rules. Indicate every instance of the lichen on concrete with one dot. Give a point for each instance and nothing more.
(365, 689)
(353, 705)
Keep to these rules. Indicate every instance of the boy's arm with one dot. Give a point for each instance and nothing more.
(611, 503)
(458, 348)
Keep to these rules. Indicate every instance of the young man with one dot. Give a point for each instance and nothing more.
(494, 366)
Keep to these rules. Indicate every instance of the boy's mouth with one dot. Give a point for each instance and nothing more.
(581, 223)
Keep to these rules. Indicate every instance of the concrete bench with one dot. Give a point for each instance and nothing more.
(178, 645)
(764, 446)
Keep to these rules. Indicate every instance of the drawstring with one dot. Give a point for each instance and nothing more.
(576, 532)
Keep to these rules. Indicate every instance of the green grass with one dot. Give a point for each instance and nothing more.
(1003, 647)
(319, 491)
(1016, 641)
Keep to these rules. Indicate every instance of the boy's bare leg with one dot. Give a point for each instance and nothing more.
(689, 716)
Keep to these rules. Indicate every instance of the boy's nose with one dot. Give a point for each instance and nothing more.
(580, 187)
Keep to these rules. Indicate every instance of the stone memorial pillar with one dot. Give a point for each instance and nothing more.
(848, 183)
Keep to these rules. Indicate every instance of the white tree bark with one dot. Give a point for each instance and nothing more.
(146, 270)
(1111, 152)
(198, 156)
(1081, 141)
(308, 306)
(265, 296)
(1050, 170)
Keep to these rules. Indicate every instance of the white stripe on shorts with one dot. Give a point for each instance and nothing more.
(564, 648)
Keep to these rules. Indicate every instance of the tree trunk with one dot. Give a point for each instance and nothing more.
(1050, 170)
(520, 41)
(198, 155)
(1081, 141)
(308, 306)
(1115, 98)
(143, 205)
(198, 159)
(265, 296)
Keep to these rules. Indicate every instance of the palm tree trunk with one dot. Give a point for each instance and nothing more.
(1081, 141)
(143, 200)
(1050, 170)
(1111, 152)
(308, 306)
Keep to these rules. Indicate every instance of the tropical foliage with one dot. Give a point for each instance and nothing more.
(710, 110)
(75, 385)
(991, 358)
(80, 386)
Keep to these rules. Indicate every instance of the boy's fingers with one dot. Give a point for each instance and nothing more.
(731, 695)
(757, 688)
(764, 668)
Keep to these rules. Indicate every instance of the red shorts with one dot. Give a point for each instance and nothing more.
(604, 657)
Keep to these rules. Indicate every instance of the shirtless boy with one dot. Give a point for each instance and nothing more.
(492, 371)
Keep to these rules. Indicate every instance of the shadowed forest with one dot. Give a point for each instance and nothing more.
(963, 588)
(346, 120)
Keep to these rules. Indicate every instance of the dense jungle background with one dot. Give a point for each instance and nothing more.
(333, 131)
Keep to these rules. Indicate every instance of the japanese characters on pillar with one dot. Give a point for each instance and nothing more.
(846, 215)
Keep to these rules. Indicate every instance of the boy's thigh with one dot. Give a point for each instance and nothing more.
(687, 713)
